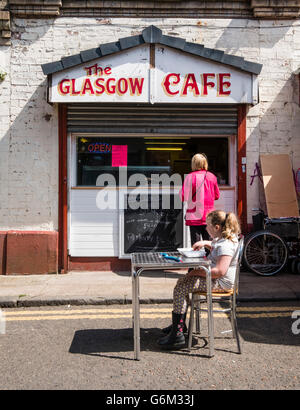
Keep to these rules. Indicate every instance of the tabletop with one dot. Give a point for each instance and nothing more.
(155, 259)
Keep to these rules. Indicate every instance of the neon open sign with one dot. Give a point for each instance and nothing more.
(99, 147)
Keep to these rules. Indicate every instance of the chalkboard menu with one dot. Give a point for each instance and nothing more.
(147, 229)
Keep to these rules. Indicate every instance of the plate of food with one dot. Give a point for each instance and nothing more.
(190, 253)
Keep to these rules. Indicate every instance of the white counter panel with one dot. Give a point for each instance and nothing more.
(95, 232)
(92, 232)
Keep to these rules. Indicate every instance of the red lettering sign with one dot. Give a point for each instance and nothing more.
(87, 87)
(167, 83)
(122, 86)
(206, 83)
(136, 85)
(63, 86)
(74, 92)
(223, 84)
(190, 82)
(99, 87)
(97, 70)
(110, 89)
(111, 86)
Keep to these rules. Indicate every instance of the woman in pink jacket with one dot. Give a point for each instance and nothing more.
(200, 190)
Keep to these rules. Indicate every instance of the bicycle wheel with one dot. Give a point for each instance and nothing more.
(265, 253)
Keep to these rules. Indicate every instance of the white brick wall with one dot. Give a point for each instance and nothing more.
(4, 130)
(29, 141)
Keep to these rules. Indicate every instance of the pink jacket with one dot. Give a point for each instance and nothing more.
(203, 199)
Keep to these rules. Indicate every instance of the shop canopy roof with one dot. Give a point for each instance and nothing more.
(152, 35)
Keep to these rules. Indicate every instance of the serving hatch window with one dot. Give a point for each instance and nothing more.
(148, 156)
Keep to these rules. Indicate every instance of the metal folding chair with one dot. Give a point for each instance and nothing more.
(227, 297)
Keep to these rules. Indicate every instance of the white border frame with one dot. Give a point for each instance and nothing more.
(122, 254)
(72, 183)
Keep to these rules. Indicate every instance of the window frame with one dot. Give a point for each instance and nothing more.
(232, 172)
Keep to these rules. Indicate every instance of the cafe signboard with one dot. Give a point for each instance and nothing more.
(160, 75)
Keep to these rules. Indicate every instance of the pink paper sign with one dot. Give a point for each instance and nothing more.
(119, 156)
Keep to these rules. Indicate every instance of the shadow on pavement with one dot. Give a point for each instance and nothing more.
(270, 330)
(99, 342)
(257, 330)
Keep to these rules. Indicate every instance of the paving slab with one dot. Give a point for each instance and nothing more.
(85, 287)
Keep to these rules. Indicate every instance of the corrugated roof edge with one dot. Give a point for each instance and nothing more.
(151, 35)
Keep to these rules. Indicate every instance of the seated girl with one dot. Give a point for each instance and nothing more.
(223, 228)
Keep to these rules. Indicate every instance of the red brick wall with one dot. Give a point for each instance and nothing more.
(101, 264)
(28, 252)
(36, 252)
(3, 238)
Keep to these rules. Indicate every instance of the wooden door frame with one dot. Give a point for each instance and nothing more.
(62, 190)
(242, 168)
(63, 260)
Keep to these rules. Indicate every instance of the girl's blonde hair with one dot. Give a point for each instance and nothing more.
(228, 222)
(199, 161)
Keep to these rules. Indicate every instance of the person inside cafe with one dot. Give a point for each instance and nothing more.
(200, 190)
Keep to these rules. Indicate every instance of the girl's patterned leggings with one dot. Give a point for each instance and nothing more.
(186, 285)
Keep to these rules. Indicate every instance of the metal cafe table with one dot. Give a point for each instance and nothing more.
(141, 262)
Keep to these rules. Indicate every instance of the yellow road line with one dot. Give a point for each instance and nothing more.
(124, 312)
(74, 311)
(267, 309)
(128, 309)
(264, 315)
(83, 316)
(142, 316)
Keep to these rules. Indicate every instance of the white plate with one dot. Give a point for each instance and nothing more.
(189, 253)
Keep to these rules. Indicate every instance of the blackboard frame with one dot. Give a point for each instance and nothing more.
(122, 254)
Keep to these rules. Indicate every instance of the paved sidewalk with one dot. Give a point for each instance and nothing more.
(83, 288)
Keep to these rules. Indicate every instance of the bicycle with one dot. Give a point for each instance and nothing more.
(273, 244)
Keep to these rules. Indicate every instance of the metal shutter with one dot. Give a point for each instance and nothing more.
(144, 118)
